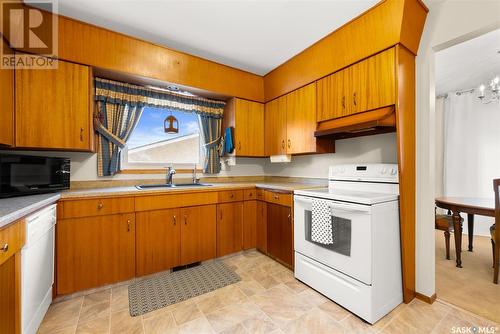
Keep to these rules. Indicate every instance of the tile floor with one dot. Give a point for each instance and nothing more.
(267, 300)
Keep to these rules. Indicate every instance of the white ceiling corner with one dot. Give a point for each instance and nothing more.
(252, 35)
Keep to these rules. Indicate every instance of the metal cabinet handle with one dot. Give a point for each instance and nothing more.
(174, 220)
(289, 216)
(283, 144)
(289, 143)
(5, 248)
(343, 102)
(250, 195)
(100, 206)
(128, 225)
(276, 196)
(221, 214)
(231, 196)
(185, 220)
(81, 134)
(354, 98)
(239, 145)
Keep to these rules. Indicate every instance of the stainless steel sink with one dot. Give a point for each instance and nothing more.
(178, 185)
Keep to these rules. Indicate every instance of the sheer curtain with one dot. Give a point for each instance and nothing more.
(471, 150)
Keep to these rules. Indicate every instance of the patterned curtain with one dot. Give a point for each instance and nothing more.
(211, 129)
(120, 106)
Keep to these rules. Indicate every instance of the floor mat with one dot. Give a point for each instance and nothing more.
(169, 288)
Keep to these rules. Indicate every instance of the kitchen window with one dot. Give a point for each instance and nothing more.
(150, 147)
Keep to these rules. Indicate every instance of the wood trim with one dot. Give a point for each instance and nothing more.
(82, 43)
(386, 24)
(405, 134)
(424, 298)
(157, 171)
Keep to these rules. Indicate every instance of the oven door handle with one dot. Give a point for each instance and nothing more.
(336, 206)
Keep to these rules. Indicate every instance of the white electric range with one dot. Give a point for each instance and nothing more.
(361, 268)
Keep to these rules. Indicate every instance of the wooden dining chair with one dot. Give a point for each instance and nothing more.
(495, 235)
(445, 223)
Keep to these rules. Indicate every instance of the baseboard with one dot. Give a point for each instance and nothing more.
(424, 298)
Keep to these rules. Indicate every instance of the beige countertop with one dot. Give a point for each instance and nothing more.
(214, 186)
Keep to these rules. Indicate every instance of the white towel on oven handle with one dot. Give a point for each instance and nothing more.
(321, 225)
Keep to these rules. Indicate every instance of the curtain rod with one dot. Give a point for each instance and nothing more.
(458, 92)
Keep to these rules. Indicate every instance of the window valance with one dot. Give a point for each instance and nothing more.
(109, 91)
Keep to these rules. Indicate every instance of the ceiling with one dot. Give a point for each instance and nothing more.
(252, 35)
(468, 64)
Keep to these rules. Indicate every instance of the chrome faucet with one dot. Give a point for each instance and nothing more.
(195, 178)
(170, 174)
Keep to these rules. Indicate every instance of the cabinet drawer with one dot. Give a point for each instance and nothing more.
(280, 198)
(250, 194)
(11, 240)
(157, 202)
(96, 207)
(259, 193)
(230, 196)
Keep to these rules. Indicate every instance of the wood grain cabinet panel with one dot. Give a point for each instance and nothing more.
(280, 233)
(278, 197)
(261, 222)
(275, 126)
(301, 120)
(247, 118)
(6, 104)
(158, 241)
(331, 96)
(230, 196)
(229, 228)
(53, 108)
(198, 233)
(249, 224)
(95, 207)
(94, 251)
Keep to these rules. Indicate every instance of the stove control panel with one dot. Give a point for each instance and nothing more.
(365, 172)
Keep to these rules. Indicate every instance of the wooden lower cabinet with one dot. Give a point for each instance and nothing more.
(229, 228)
(198, 233)
(280, 233)
(94, 251)
(261, 226)
(249, 224)
(172, 237)
(157, 241)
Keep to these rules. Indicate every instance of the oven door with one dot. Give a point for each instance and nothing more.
(350, 252)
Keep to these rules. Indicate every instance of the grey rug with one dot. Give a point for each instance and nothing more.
(169, 288)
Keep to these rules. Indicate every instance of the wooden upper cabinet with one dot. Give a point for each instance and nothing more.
(247, 118)
(229, 228)
(53, 108)
(6, 104)
(157, 240)
(275, 126)
(301, 120)
(94, 251)
(198, 233)
(367, 85)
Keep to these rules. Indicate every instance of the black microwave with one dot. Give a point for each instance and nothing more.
(29, 175)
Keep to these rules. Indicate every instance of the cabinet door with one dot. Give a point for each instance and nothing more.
(94, 251)
(301, 120)
(10, 295)
(275, 126)
(229, 228)
(373, 82)
(262, 226)
(198, 233)
(249, 128)
(53, 107)
(158, 241)
(280, 233)
(331, 96)
(249, 224)
(6, 104)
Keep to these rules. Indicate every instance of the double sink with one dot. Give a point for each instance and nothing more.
(166, 185)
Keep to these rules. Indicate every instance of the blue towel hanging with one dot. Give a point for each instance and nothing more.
(228, 144)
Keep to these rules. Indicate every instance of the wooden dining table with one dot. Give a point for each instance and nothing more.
(471, 206)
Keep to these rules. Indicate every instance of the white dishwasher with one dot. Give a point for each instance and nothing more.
(37, 268)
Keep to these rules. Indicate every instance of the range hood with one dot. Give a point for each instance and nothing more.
(376, 121)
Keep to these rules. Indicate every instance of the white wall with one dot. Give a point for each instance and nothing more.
(380, 148)
(448, 23)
